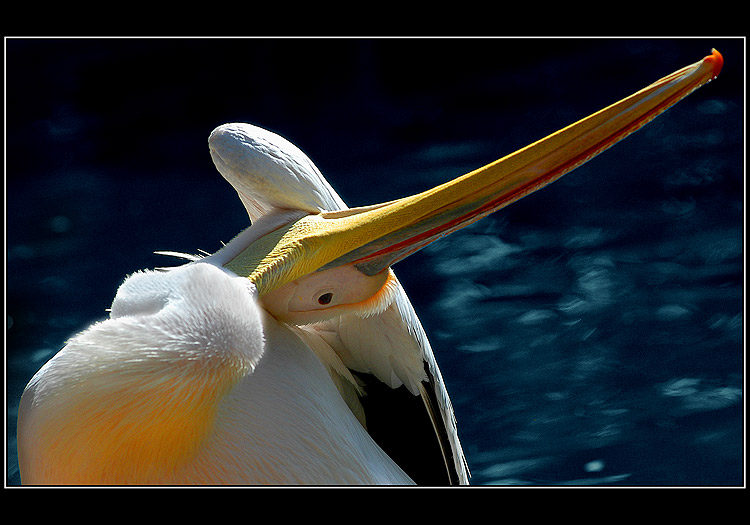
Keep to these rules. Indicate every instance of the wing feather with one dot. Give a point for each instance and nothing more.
(270, 174)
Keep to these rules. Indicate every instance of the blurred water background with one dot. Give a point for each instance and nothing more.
(590, 334)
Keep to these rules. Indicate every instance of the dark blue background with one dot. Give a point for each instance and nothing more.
(591, 333)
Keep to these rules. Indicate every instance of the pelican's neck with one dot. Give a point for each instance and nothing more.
(264, 225)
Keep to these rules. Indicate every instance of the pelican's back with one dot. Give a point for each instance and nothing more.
(189, 382)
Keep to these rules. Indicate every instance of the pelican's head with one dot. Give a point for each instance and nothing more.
(310, 263)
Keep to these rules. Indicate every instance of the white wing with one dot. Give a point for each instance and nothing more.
(270, 174)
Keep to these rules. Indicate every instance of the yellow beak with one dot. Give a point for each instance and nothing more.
(373, 238)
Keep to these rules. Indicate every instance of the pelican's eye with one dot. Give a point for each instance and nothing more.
(325, 292)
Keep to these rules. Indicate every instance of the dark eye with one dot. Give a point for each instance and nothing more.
(325, 298)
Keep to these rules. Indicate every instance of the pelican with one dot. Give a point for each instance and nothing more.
(292, 355)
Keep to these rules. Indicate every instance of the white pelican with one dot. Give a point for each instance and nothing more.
(266, 362)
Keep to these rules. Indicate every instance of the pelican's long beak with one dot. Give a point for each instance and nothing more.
(373, 238)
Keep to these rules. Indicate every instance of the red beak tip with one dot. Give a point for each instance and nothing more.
(716, 60)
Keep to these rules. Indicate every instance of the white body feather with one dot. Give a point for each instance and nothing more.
(281, 420)
(189, 381)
